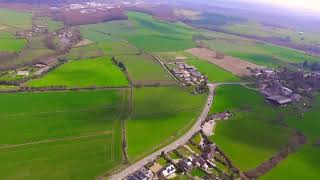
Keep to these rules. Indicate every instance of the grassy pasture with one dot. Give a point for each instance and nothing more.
(143, 31)
(34, 51)
(144, 70)
(255, 52)
(246, 137)
(257, 29)
(16, 19)
(108, 47)
(214, 73)
(52, 25)
(12, 45)
(159, 116)
(75, 134)
(84, 73)
(308, 124)
(157, 36)
(303, 164)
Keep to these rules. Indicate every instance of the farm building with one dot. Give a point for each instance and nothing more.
(279, 100)
(46, 62)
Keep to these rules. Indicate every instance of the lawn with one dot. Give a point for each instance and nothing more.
(245, 138)
(198, 172)
(214, 73)
(73, 135)
(84, 73)
(159, 116)
(144, 70)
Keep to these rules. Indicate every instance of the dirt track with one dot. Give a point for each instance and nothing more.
(56, 140)
(232, 64)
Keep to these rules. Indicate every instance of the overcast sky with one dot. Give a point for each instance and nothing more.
(311, 5)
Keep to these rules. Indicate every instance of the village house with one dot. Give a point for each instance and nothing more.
(23, 73)
(200, 162)
(185, 165)
(169, 171)
(142, 174)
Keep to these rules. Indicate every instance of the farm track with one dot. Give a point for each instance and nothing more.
(57, 140)
(57, 111)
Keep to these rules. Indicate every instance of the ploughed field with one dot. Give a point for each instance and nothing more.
(84, 73)
(60, 135)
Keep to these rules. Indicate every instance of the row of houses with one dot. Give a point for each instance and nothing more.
(189, 75)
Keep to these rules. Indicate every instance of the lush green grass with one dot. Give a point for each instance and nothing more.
(20, 20)
(309, 37)
(308, 124)
(247, 133)
(85, 52)
(52, 25)
(198, 172)
(75, 123)
(214, 73)
(255, 52)
(154, 35)
(144, 70)
(109, 48)
(159, 116)
(143, 31)
(33, 52)
(84, 73)
(12, 45)
(304, 164)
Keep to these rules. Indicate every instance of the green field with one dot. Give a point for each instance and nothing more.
(51, 25)
(255, 52)
(60, 135)
(33, 52)
(214, 73)
(304, 164)
(143, 31)
(84, 73)
(309, 37)
(16, 19)
(155, 35)
(12, 45)
(160, 115)
(144, 70)
(246, 137)
(109, 48)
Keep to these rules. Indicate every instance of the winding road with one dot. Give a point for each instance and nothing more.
(181, 141)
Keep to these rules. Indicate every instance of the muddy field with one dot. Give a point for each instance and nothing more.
(235, 65)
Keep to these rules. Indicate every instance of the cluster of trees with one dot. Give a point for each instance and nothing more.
(119, 64)
(315, 66)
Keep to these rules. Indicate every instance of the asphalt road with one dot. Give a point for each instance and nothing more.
(181, 141)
